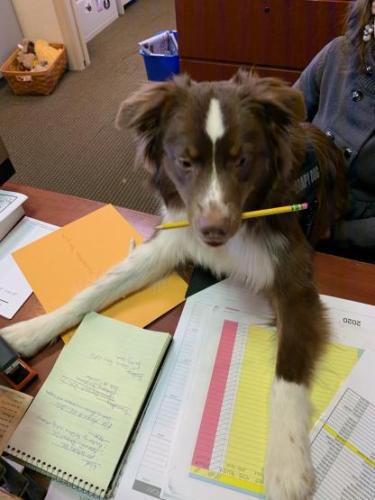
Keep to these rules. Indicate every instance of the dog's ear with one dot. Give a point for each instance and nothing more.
(142, 110)
(276, 92)
(244, 76)
(146, 112)
(282, 103)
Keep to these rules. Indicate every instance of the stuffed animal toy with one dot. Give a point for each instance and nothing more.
(45, 53)
(26, 55)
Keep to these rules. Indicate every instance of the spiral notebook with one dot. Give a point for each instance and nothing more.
(79, 426)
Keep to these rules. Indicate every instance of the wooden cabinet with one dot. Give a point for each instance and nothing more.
(278, 37)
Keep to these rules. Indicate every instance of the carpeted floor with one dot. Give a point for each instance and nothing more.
(67, 142)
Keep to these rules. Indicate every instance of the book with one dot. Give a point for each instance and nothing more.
(79, 426)
(11, 210)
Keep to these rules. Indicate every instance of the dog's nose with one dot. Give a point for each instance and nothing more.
(215, 231)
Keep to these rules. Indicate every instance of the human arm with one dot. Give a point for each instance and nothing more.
(358, 233)
(310, 81)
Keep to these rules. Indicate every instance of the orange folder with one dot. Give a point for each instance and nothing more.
(66, 261)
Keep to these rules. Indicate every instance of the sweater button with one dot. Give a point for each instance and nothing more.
(348, 153)
(330, 135)
(369, 70)
(357, 95)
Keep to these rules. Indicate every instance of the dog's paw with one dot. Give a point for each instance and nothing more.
(27, 337)
(289, 473)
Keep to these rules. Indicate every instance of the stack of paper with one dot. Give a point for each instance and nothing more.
(14, 288)
(220, 444)
(168, 437)
(223, 435)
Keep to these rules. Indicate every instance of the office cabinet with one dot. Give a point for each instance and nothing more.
(278, 37)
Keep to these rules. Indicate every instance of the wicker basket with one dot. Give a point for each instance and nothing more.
(38, 82)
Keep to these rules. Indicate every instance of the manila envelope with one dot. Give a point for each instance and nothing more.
(63, 263)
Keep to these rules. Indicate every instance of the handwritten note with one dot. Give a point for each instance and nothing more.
(13, 405)
(82, 418)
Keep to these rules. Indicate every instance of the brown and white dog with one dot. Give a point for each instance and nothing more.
(215, 150)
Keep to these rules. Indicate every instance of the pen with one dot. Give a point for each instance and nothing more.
(245, 215)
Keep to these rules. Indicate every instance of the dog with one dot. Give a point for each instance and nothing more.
(214, 150)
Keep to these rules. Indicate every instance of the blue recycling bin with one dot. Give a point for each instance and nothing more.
(161, 67)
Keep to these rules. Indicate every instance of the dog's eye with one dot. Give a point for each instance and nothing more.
(184, 163)
(242, 167)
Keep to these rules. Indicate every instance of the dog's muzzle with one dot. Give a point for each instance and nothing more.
(214, 230)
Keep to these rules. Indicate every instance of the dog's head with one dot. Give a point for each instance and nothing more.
(215, 149)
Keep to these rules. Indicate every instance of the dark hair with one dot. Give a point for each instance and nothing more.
(359, 14)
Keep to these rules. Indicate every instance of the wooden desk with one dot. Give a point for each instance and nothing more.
(335, 276)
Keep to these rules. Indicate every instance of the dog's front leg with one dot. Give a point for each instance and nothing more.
(146, 264)
(303, 330)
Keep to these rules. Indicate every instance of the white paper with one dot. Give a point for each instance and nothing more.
(58, 491)
(14, 288)
(343, 444)
(352, 324)
(19, 467)
(177, 481)
(148, 458)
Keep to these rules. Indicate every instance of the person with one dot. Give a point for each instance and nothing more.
(339, 90)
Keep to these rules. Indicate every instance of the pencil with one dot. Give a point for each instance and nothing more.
(297, 207)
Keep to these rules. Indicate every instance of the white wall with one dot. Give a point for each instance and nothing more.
(10, 33)
(37, 19)
(75, 44)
